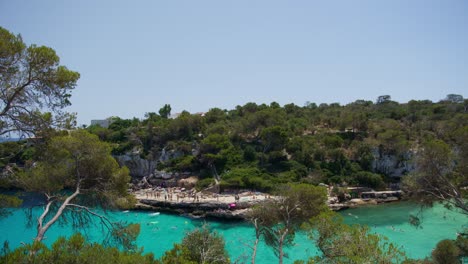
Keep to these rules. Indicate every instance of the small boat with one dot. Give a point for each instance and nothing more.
(154, 214)
(126, 211)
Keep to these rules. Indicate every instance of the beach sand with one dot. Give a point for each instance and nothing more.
(150, 194)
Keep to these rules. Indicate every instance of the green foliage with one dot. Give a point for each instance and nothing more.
(341, 243)
(185, 127)
(273, 138)
(6, 202)
(454, 98)
(250, 154)
(34, 85)
(76, 173)
(198, 246)
(215, 115)
(332, 143)
(245, 177)
(218, 153)
(437, 178)
(368, 179)
(19, 153)
(165, 111)
(74, 250)
(462, 243)
(126, 235)
(446, 252)
(186, 163)
(204, 183)
(280, 218)
(78, 158)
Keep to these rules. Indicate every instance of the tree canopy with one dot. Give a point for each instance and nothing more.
(361, 143)
(76, 173)
(438, 178)
(278, 220)
(341, 243)
(75, 249)
(34, 87)
(198, 246)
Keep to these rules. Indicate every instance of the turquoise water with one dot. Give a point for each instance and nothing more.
(158, 233)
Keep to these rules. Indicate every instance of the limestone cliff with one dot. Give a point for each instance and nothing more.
(138, 167)
(393, 165)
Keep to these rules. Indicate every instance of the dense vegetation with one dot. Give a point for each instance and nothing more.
(252, 146)
(258, 146)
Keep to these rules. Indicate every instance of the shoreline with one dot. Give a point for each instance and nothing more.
(221, 206)
(199, 205)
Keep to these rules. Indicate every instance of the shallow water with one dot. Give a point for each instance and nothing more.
(158, 233)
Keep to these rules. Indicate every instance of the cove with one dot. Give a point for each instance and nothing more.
(159, 232)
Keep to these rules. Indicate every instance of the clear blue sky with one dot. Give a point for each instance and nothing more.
(135, 56)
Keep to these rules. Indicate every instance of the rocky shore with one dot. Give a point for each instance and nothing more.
(213, 210)
(224, 207)
(199, 205)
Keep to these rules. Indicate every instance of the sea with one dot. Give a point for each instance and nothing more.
(160, 231)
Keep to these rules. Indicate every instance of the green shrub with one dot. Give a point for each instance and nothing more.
(73, 250)
(205, 183)
(369, 179)
(446, 252)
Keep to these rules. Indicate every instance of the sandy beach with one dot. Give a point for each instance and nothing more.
(176, 195)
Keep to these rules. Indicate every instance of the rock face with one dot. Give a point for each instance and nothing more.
(138, 167)
(199, 210)
(167, 155)
(392, 165)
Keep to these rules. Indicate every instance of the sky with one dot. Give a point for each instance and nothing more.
(136, 56)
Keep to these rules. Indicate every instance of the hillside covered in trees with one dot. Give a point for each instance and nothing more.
(257, 146)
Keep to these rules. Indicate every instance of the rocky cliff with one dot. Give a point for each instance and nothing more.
(391, 165)
(138, 167)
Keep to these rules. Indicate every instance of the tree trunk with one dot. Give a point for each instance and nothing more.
(40, 234)
(254, 253)
(280, 245)
(257, 238)
(280, 249)
(42, 229)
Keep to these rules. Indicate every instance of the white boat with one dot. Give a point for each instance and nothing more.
(154, 214)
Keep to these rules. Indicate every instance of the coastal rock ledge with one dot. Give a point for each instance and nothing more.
(213, 210)
(235, 211)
